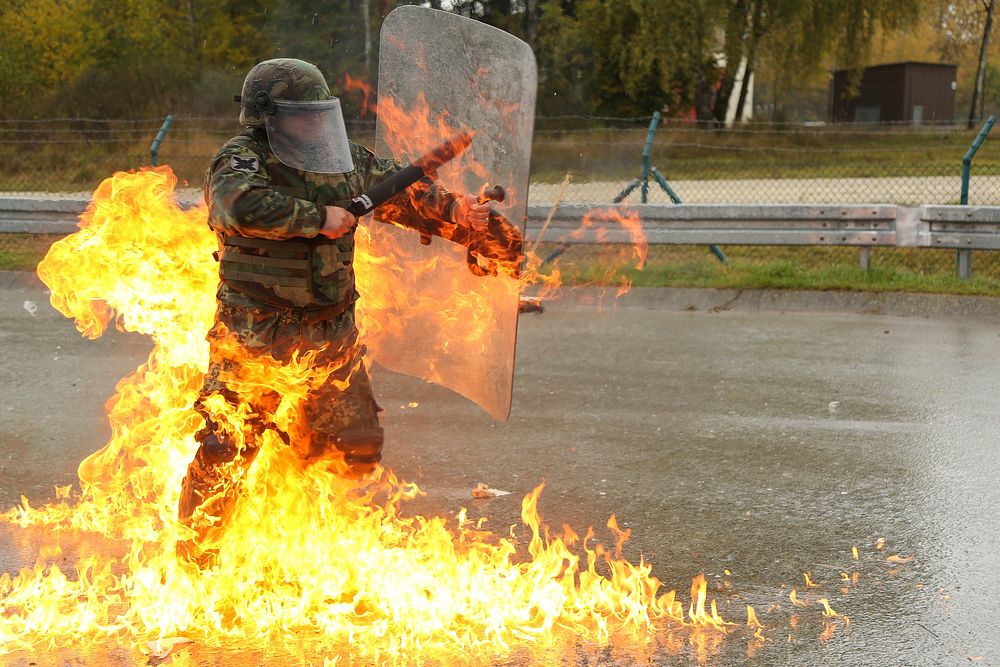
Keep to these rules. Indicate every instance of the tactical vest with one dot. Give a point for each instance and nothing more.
(292, 274)
(304, 273)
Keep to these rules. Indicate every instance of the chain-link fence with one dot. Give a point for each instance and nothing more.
(822, 164)
(844, 164)
(772, 164)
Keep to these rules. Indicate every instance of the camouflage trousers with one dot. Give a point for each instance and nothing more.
(340, 422)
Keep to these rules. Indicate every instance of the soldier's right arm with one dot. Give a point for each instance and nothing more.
(242, 200)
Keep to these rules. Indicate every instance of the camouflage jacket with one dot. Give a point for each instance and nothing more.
(268, 216)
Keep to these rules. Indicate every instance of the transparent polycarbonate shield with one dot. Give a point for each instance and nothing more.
(437, 317)
(310, 136)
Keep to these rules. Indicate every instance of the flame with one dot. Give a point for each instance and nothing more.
(830, 618)
(409, 133)
(899, 559)
(753, 623)
(441, 299)
(827, 610)
(309, 555)
(638, 247)
(697, 613)
(757, 640)
(356, 85)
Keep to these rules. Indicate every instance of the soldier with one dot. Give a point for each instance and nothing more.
(277, 195)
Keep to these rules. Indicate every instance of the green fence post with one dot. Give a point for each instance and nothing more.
(646, 151)
(154, 148)
(643, 181)
(963, 258)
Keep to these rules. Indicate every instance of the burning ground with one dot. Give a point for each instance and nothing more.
(313, 564)
(308, 554)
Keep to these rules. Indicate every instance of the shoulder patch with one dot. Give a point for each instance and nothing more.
(248, 165)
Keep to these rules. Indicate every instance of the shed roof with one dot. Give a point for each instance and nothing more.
(905, 63)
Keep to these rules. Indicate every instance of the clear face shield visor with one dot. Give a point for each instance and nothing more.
(310, 136)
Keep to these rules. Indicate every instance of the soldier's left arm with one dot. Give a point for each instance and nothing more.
(430, 209)
(426, 206)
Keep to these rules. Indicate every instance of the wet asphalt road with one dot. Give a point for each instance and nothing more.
(763, 443)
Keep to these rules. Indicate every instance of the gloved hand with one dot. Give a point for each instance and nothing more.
(469, 212)
(337, 223)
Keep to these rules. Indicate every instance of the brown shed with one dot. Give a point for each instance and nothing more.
(907, 92)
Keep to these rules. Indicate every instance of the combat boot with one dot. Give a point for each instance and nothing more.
(209, 493)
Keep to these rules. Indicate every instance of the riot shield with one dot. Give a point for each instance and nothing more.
(426, 310)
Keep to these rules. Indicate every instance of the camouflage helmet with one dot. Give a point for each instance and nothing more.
(281, 79)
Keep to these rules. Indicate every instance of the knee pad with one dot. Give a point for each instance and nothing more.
(360, 445)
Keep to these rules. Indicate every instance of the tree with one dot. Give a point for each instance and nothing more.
(44, 47)
(825, 34)
(955, 33)
(757, 29)
(620, 57)
(697, 72)
(764, 16)
(531, 15)
(975, 109)
(805, 33)
(734, 50)
(627, 58)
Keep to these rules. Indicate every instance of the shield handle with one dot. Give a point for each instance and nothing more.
(496, 193)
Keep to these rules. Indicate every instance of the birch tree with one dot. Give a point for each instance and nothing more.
(975, 108)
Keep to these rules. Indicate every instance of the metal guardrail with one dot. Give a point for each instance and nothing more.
(29, 215)
(973, 227)
(930, 226)
(704, 224)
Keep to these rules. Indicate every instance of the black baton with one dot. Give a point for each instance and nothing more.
(425, 165)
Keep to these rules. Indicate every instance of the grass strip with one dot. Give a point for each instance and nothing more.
(765, 267)
(750, 267)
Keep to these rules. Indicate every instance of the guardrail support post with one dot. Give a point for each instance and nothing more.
(963, 258)
(154, 148)
(963, 263)
(865, 255)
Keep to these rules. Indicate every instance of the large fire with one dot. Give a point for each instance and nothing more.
(308, 553)
(311, 559)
